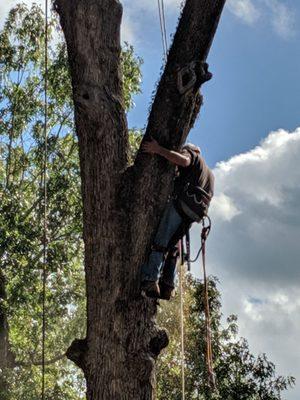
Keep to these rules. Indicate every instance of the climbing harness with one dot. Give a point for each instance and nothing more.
(45, 208)
(163, 30)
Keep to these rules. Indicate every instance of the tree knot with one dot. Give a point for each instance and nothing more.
(158, 342)
(77, 352)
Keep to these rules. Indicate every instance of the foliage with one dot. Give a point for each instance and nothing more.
(239, 375)
(131, 69)
(135, 139)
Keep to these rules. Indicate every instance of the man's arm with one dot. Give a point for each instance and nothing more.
(180, 159)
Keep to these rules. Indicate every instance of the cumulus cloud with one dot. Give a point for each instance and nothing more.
(223, 207)
(254, 246)
(260, 193)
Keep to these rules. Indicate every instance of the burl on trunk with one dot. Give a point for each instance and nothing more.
(122, 204)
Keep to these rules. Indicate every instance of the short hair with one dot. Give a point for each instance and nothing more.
(192, 147)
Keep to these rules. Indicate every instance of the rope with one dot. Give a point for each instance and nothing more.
(164, 24)
(199, 252)
(45, 193)
(208, 355)
(182, 321)
(163, 30)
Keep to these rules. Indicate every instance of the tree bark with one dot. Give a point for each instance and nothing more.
(122, 205)
(6, 357)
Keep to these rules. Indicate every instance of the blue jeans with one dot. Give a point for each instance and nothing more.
(156, 267)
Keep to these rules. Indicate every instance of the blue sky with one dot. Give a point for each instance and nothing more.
(256, 85)
(249, 133)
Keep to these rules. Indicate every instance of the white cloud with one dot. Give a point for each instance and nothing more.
(283, 18)
(224, 208)
(261, 189)
(245, 10)
(275, 12)
(254, 246)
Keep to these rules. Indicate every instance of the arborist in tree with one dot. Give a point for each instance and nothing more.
(193, 190)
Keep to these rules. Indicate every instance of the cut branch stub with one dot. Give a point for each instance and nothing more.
(186, 78)
(77, 353)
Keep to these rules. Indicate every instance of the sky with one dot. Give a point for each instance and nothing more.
(249, 133)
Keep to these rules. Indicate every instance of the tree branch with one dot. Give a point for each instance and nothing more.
(174, 110)
(47, 362)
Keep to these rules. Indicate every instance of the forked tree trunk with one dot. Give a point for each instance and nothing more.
(122, 205)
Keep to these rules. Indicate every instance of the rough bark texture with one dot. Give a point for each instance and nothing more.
(7, 359)
(122, 206)
(6, 356)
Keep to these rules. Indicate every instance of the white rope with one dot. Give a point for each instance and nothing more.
(163, 30)
(164, 25)
(45, 195)
(181, 276)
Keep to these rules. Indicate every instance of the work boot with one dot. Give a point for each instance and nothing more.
(151, 289)
(166, 291)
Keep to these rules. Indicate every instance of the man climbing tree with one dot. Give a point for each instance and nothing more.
(123, 341)
(193, 190)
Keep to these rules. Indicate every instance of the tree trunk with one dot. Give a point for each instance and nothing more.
(6, 356)
(3, 324)
(122, 205)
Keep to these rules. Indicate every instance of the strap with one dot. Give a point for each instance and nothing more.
(160, 249)
(188, 249)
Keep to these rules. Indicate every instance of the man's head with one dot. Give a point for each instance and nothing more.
(192, 147)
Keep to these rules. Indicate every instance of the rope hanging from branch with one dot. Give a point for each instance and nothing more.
(45, 198)
(185, 257)
(181, 279)
(208, 354)
(163, 29)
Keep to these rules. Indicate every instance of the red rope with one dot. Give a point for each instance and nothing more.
(208, 353)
